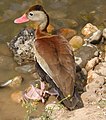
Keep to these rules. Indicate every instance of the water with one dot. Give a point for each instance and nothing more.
(61, 12)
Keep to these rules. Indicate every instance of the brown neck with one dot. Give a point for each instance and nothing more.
(41, 33)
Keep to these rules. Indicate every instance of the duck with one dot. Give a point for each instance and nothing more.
(55, 62)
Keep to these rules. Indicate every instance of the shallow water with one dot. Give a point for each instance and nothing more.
(61, 12)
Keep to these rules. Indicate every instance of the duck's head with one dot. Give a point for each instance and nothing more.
(36, 14)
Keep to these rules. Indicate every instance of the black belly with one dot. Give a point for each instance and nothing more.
(45, 77)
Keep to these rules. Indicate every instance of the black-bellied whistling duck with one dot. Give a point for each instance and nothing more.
(55, 60)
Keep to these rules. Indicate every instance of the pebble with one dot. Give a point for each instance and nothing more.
(35, 75)
(88, 97)
(16, 82)
(96, 84)
(76, 42)
(17, 96)
(92, 63)
(13, 83)
(88, 29)
(101, 69)
(29, 68)
(96, 37)
(91, 75)
(83, 54)
(67, 33)
(104, 33)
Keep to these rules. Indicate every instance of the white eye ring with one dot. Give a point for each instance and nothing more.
(31, 14)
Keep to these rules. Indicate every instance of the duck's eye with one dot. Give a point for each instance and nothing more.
(31, 14)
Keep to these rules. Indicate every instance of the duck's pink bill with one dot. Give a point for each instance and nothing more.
(22, 19)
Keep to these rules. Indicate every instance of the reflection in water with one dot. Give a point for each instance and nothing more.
(61, 12)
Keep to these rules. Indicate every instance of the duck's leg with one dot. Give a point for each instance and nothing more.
(52, 92)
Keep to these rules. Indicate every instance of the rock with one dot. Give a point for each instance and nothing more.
(88, 29)
(89, 98)
(36, 76)
(29, 68)
(83, 54)
(96, 84)
(104, 33)
(16, 82)
(13, 83)
(95, 88)
(91, 76)
(17, 96)
(89, 112)
(103, 91)
(96, 37)
(76, 42)
(22, 46)
(101, 69)
(67, 33)
(92, 63)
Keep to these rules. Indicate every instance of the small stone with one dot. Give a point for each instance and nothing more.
(26, 68)
(76, 42)
(97, 53)
(16, 82)
(96, 37)
(104, 33)
(35, 75)
(88, 97)
(101, 69)
(88, 29)
(13, 83)
(67, 33)
(83, 54)
(94, 77)
(91, 75)
(95, 85)
(84, 71)
(92, 63)
(17, 97)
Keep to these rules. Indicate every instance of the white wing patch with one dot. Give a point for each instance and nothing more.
(43, 64)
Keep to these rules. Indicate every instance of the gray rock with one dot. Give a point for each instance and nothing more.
(29, 68)
(83, 54)
(96, 37)
(22, 46)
